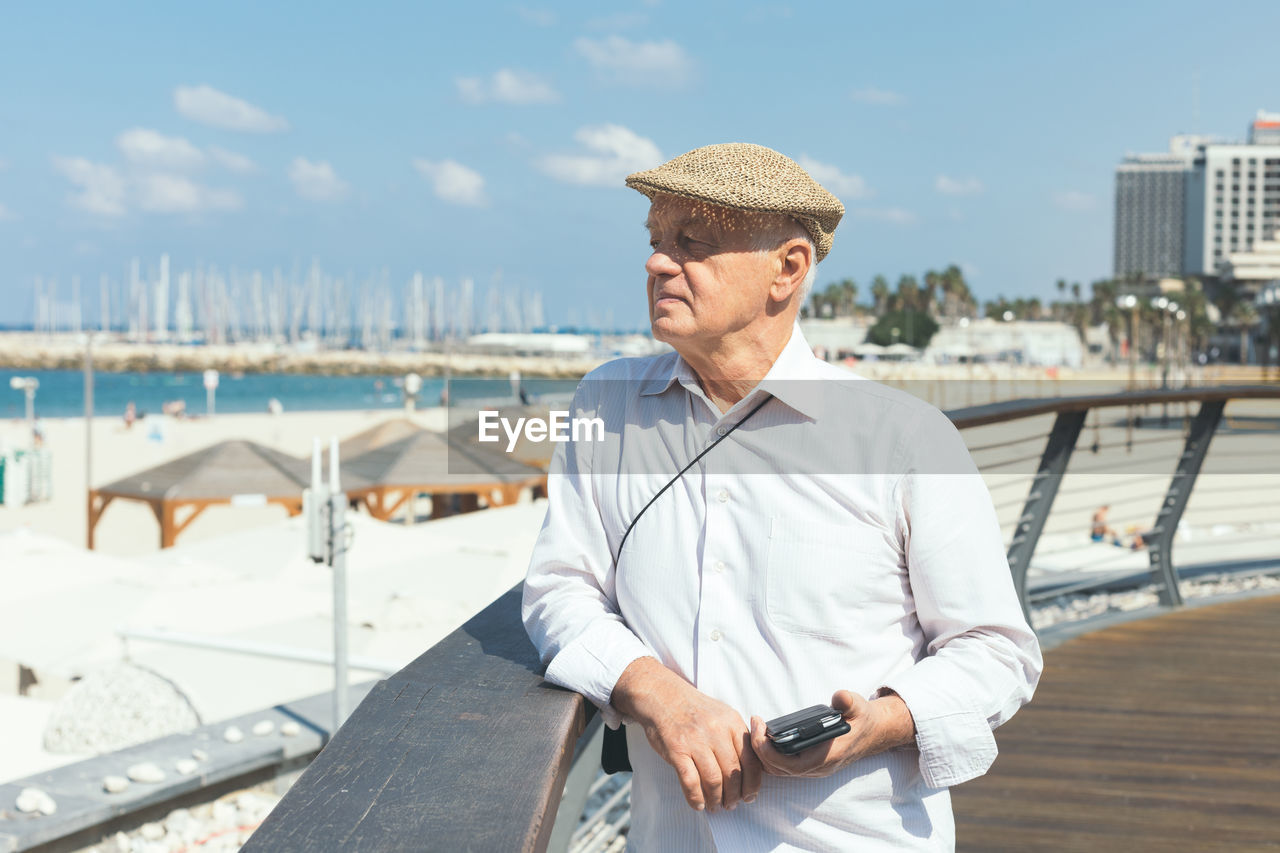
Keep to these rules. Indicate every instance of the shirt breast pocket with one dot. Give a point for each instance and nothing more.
(822, 579)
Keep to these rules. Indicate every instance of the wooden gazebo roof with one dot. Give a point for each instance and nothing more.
(404, 458)
(221, 470)
(229, 472)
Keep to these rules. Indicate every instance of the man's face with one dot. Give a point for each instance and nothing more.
(706, 280)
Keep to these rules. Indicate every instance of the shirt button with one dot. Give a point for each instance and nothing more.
(722, 495)
(721, 430)
(716, 635)
(720, 567)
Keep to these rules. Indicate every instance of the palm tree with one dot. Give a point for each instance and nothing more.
(848, 297)
(909, 292)
(932, 281)
(880, 293)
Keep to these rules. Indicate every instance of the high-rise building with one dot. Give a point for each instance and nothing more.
(1151, 195)
(1185, 212)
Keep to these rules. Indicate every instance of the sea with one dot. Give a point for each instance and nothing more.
(61, 392)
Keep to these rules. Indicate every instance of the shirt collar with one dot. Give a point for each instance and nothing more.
(795, 362)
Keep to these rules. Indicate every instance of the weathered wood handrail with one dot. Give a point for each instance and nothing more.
(467, 748)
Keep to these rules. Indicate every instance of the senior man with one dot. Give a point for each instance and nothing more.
(759, 532)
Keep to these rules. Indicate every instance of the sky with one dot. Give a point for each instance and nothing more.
(489, 140)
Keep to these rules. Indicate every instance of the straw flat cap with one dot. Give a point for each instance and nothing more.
(742, 176)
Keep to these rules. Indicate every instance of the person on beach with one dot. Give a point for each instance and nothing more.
(833, 541)
(1099, 530)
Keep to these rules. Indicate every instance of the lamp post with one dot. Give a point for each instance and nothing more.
(27, 385)
(1131, 302)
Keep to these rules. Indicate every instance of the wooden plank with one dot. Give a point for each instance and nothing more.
(1151, 735)
(464, 749)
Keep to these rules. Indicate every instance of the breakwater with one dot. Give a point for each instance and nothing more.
(26, 351)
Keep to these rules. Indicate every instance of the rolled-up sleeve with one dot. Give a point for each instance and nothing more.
(982, 660)
(570, 610)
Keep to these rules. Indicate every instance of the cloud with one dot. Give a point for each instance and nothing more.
(537, 17)
(316, 181)
(207, 105)
(507, 86)
(453, 182)
(846, 186)
(105, 191)
(876, 97)
(1074, 200)
(616, 153)
(621, 60)
(231, 161)
(161, 193)
(6, 214)
(151, 150)
(100, 188)
(4, 164)
(958, 186)
(891, 215)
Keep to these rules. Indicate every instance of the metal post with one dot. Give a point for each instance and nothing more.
(338, 562)
(1044, 488)
(1160, 549)
(88, 413)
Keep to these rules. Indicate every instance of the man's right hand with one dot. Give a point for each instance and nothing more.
(707, 742)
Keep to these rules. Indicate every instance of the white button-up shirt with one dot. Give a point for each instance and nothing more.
(840, 538)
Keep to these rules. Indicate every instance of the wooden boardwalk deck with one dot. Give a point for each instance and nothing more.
(1159, 734)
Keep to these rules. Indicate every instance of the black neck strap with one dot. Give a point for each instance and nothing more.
(671, 482)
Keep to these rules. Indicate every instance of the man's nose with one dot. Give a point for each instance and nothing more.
(661, 264)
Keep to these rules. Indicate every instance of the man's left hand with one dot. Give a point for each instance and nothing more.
(874, 726)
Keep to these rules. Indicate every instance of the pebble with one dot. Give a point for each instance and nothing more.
(290, 728)
(199, 754)
(33, 800)
(233, 734)
(262, 728)
(114, 784)
(1084, 605)
(151, 831)
(186, 766)
(146, 772)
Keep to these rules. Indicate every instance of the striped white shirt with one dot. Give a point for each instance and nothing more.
(840, 538)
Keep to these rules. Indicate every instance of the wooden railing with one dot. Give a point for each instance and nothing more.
(467, 748)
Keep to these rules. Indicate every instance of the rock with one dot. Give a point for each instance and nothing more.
(178, 821)
(224, 815)
(33, 800)
(186, 766)
(151, 831)
(290, 728)
(199, 754)
(233, 734)
(146, 772)
(114, 784)
(262, 728)
(117, 706)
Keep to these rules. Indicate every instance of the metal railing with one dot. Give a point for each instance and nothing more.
(468, 748)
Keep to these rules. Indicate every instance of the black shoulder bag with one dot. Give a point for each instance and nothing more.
(613, 751)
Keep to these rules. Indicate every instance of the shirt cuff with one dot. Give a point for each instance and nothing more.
(955, 740)
(594, 661)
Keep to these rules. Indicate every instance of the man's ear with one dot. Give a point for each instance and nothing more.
(796, 258)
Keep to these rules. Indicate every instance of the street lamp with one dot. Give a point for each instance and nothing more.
(1130, 302)
(28, 385)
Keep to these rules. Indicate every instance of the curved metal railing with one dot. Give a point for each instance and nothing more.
(468, 749)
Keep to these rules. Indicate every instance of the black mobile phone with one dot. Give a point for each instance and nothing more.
(802, 729)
